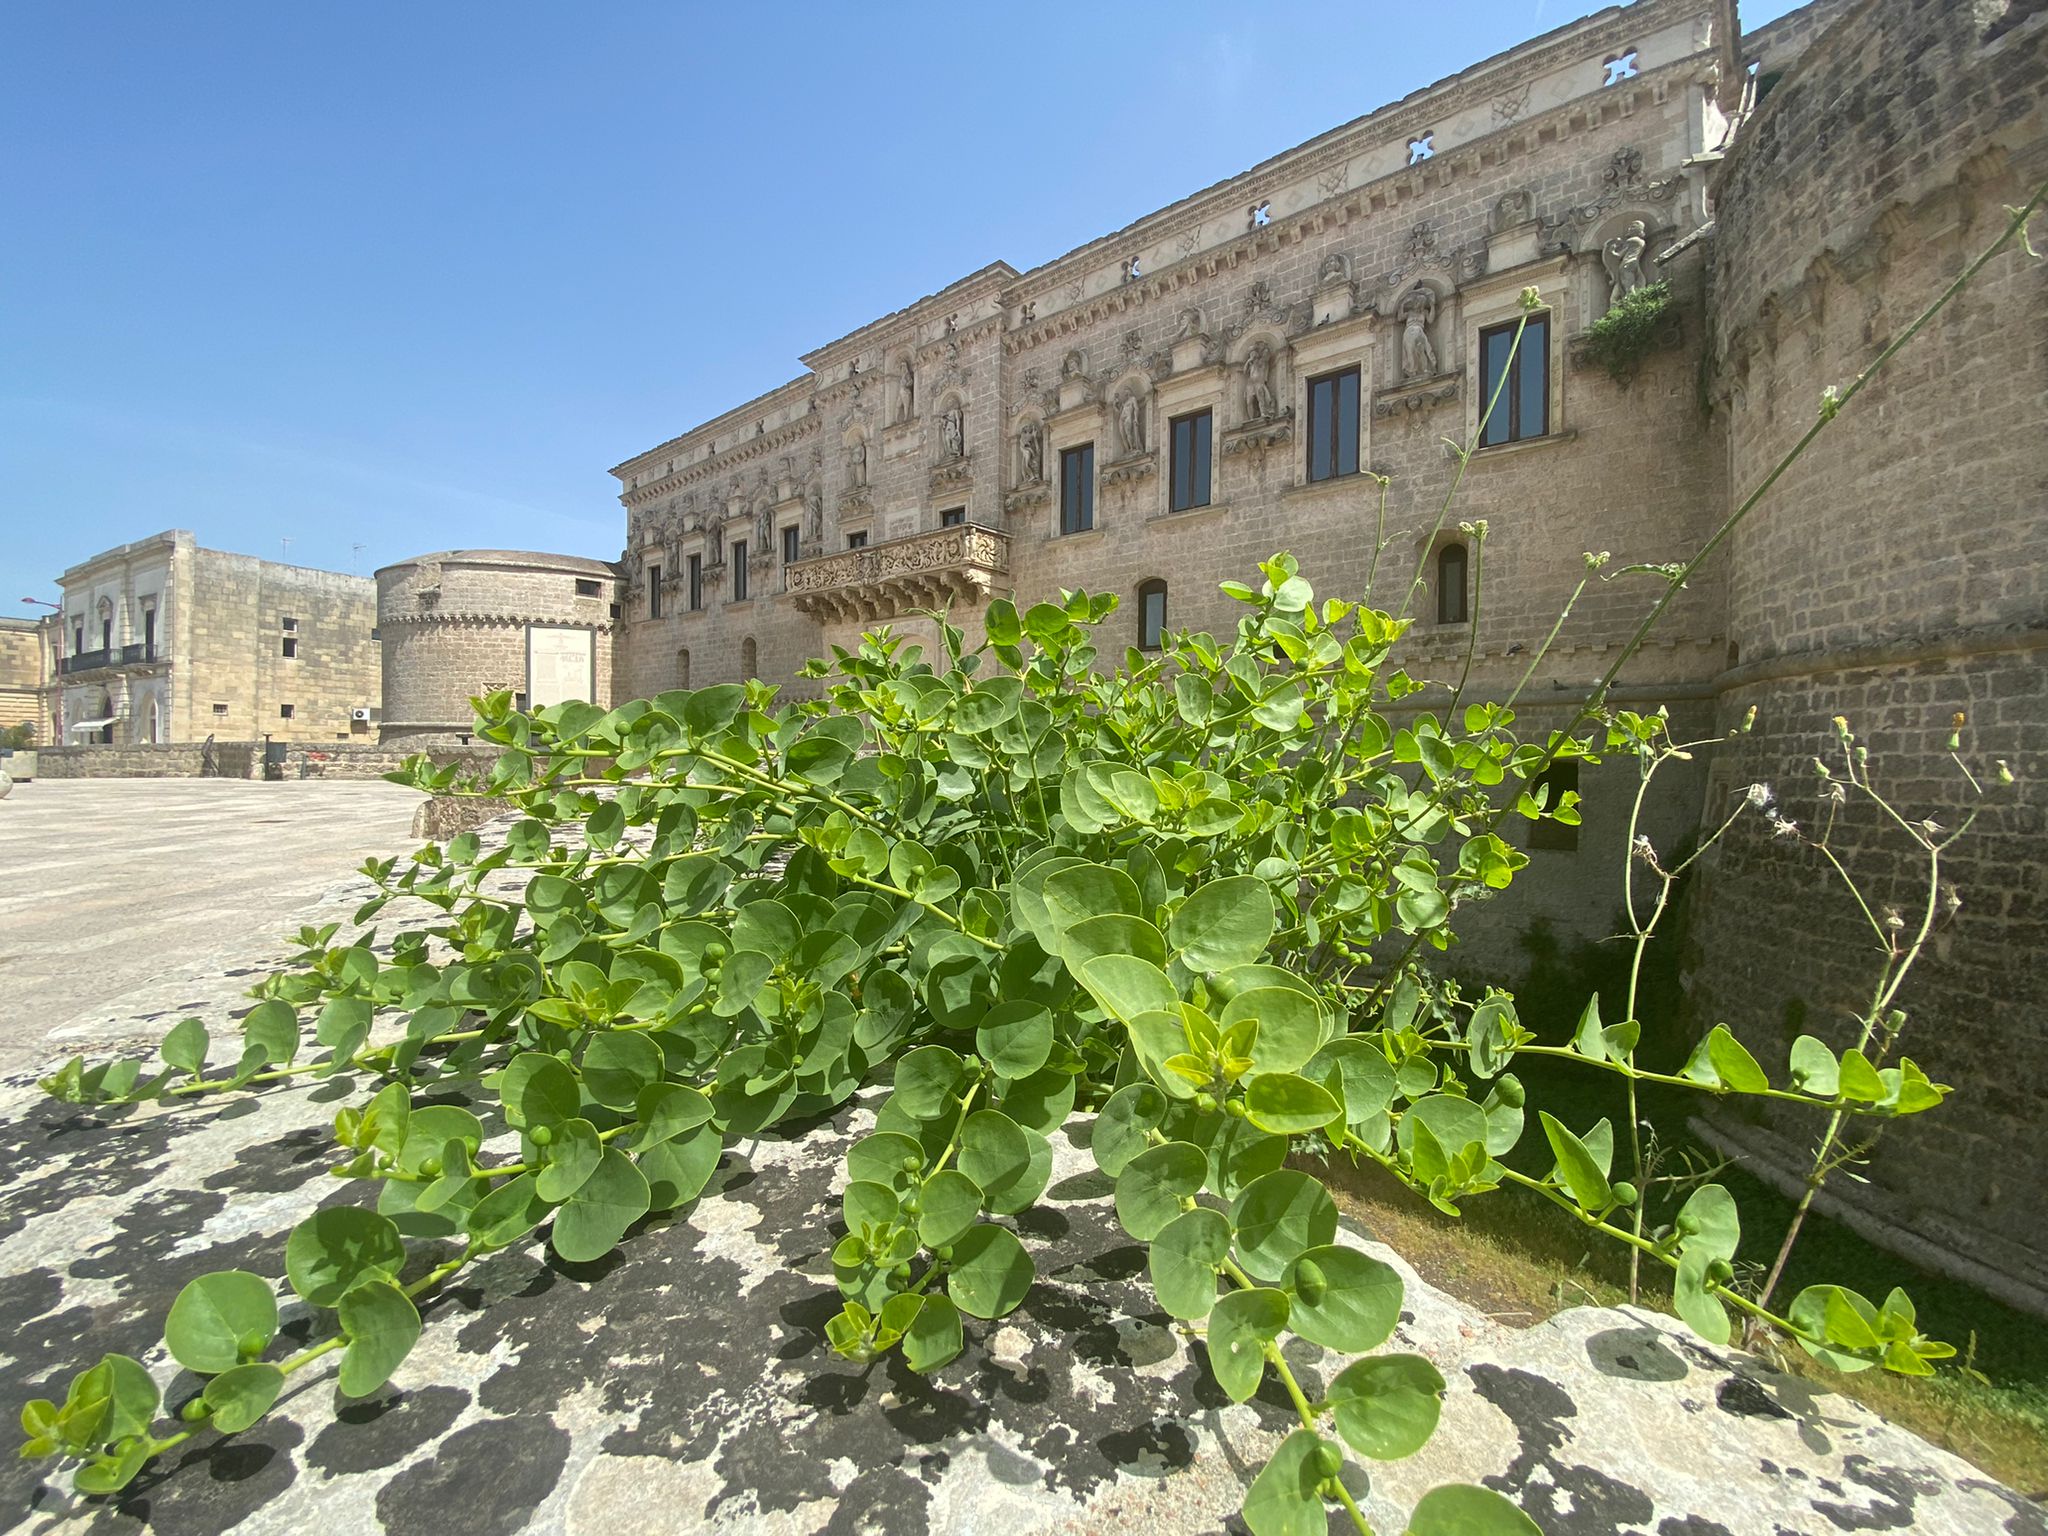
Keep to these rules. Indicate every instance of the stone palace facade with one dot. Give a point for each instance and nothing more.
(1155, 412)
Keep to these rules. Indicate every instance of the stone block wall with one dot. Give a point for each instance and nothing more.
(170, 760)
(1897, 576)
(22, 665)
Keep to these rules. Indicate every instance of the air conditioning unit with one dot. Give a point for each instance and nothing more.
(362, 715)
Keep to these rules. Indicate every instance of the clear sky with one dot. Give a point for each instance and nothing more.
(383, 278)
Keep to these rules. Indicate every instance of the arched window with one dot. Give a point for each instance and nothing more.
(1151, 615)
(1451, 603)
(750, 659)
(683, 667)
(106, 625)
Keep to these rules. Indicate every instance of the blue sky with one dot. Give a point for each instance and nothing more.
(407, 277)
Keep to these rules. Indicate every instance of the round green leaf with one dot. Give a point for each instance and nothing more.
(241, 1396)
(1344, 1299)
(1387, 1405)
(993, 1150)
(1120, 1130)
(1021, 1190)
(886, 1157)
(1240, 1325)
(538, 1090)
(934, 1336)
(1125, 986)
(1287, 1104)
(1455, 1123)
(214, 1314)
(1283, 1499)
(990, 1272)
(1041, 1102)
(382, 1324)
(1364, 1077)
(1015, 1038)
(331, 1250)
(867, 1204)
(948, 1204)
(678, 1169)
(1290, 1026)
(597, 1215)
(1184, 1259)
(617, 1065)
(507, 1213)
(184, 1048)
(1150, 1189)
(1278, 1217)
(1463, 1509)
(1226, 922)
(573, 1156)
(925, 1081)
(666, 1111)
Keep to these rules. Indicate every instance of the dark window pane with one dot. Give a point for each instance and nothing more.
(739, 570)
(1347, 423)
(1523, 410)
(1151, 615)
(857, 540)
(696, 581)
(1333, 425)
(1532, 364)
(1077, 489)
(1190, 462)
(1494, 346)
(654, 591)
(1450, 585)
(952, 517)
(791, 537)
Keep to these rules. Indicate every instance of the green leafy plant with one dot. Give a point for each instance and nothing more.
(1186, 897)
(1630, 331)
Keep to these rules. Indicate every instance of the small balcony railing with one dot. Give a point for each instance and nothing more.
(107, 656)
(965, 563)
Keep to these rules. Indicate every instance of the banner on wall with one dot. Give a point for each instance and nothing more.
(561, 664)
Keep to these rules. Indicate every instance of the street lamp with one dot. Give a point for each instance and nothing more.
(57, 688)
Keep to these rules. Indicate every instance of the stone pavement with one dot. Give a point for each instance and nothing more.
(108, 885)
(683, 1383)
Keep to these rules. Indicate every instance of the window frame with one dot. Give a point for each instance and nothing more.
(1147, 590)
(857, 539)
(694, 568)
(953, 517)
(654, 590)
(1200, 430)
(741, 590)
(792, 543)
(1077, 487)
(1535, 343)
(1464, 585)
(1339, 418)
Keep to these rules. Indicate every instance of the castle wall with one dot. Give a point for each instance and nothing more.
(1897, 576)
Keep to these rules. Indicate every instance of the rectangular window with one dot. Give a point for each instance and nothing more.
(739, 570)
(696, 582)
(857, 540)
(291, 648)
(1077, 489)
(284, 711)
(587, 587)
(1523, 410)
(1548, 790)
(288, 623)
(952, 517)
(78, 640)
(220, 709)
(654, 591)
(1191, 436)
(1151, 615)
(1333, 425)
(149, 631)
(792, 537)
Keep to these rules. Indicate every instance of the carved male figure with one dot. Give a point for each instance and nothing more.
(1260, 403)
(857, 461)
(1130, 423)
(1623, 258)
(949, 431)
(1417, 309)
(1030, 453)
(909, 404)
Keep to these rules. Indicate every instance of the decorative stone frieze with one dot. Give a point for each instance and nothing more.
(936, 569)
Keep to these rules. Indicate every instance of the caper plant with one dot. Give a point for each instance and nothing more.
(1182, 898)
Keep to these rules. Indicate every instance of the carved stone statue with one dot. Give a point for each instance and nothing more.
(814, 513)
(857, 462)
(950, 433)
(764, 532)
(1130, 423)
(1417, 309)
(1336, 268)
(1190, 324)
(1260, 403)
(908, 406)
(1030, 453)
(1073, 366)
(1623, 258)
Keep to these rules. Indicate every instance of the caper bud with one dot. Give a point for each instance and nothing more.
(1234, 1108)
(431, 1168)
(1205, 1101)
(1624, 1193)
(250, 1345)
(1329, 1460)
(912, 1164)
(196, 1411)
(543, 1135)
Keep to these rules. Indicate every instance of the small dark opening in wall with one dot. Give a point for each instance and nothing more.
(291, 647)
(587, 587)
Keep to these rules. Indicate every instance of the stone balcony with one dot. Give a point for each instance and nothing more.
(963, 564)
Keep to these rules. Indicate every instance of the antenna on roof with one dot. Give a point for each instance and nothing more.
(353, 551)
(284, 549)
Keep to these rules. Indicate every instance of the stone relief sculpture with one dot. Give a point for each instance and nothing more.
(1130, 423)
(1030, 453)
(950, 432)
(1416, 311)
(1336, 268)
(1260, 403)
(857, 462)
(1074, 365)
(764, 531)
(1623, 258)
(908, 405)
(1190, 325)
(814, 513)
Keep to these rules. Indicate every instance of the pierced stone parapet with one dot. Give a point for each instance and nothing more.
(962, 564)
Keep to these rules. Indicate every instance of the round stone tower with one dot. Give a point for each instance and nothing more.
(1897, 577)
(467, 621)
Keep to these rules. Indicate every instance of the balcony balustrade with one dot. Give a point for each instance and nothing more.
(966, 563)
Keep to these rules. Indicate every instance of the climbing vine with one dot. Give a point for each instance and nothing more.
(1629, 332)
(991, 891)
